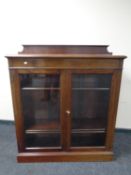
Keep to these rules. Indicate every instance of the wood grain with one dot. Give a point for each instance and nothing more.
(65, 60)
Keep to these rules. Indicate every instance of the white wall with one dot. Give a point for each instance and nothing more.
(66, 22)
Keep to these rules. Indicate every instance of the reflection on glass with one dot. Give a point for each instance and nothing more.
(39, 80)
(90, 97)
(91, 81)
(41, 109)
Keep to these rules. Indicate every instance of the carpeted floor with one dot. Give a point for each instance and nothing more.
(9, 166)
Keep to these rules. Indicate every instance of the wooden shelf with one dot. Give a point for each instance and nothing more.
(85, 131)
(53, 88)
(79, 127)
(46, 127)
(40, 88)
(96, 89)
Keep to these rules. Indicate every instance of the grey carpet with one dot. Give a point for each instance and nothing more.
(9, 166)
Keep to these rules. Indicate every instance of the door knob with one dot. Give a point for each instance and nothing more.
(68, 112)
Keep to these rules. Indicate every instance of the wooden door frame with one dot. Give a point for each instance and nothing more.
(17, 105)
(112, 107)
(65, 105)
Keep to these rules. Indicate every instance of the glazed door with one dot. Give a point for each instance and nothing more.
(40, 108)
(59, 110)
(89, 108)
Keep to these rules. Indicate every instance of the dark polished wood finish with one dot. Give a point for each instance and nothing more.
(65, 49)
(66, 156)
(42, 77)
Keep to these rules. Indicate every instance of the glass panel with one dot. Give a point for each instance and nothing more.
(39, 80)
(91, 81)
(88, 139)
(90, 97)
(43, 140)
(41, 109)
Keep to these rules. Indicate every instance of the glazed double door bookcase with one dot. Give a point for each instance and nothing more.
(65, 102)
(64, 109)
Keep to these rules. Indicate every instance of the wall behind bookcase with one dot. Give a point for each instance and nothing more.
(66, 22)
